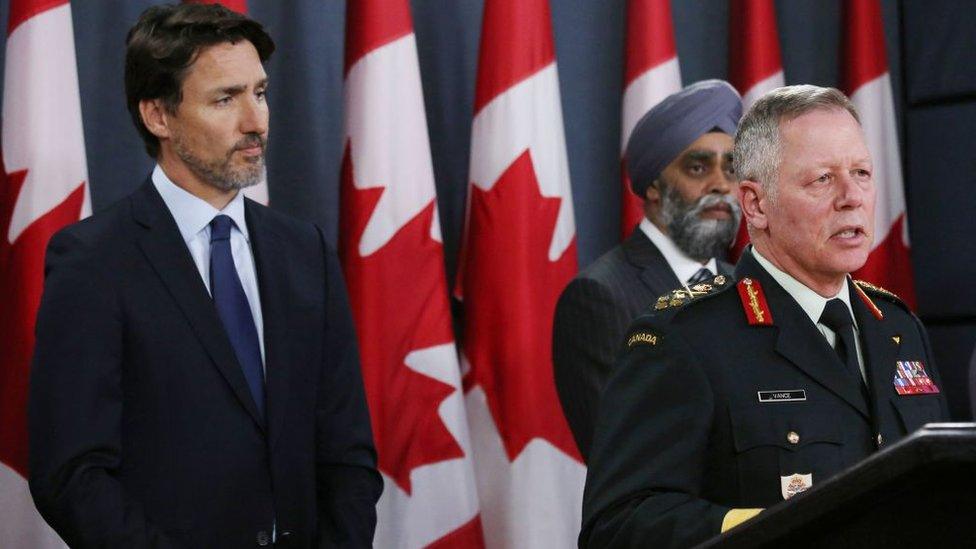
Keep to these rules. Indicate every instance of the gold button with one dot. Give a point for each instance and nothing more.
(793, 437)
(880, 440)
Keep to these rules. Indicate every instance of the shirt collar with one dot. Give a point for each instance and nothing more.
(192, 213)
(684, 267)
(811, 302)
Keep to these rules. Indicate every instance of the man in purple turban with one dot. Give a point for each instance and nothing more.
(679, 158)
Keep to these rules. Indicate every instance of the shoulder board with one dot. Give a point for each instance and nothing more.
(686, 294)
(870, 289)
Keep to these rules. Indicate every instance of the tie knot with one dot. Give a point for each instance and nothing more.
(701, 275)
(836, 315)
(220, 227)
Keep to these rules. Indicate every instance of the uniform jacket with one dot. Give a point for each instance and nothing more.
(683, 436)
(591, 318)
(143, 432)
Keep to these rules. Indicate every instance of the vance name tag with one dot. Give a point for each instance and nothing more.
(793, 395)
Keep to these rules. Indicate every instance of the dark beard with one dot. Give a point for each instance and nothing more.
(701, 239)
(219, 173)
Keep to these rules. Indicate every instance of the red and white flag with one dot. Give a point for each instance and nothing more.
(755, 65)
(43, 189)
(518, 253)
(393, 259)
(866, 82)
(259, 192)
(651, 73)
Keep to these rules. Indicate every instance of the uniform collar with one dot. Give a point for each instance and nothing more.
(811, 302)
(684, 267)
(192, 213)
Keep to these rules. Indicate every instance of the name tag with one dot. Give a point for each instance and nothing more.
(782, 396)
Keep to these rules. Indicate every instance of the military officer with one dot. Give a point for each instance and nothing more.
(740, 392)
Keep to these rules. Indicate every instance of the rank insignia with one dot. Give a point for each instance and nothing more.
(719, 280)
(912, 379)
(792, 485)
(680, 296)
(754, 302)
(642, 338)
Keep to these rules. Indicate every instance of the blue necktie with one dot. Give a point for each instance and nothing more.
(232, 306)
(701, 275)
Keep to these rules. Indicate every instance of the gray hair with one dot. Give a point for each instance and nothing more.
(756, 152)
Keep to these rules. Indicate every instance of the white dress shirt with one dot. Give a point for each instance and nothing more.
(193, 216)
(812, 303)
(684, 267)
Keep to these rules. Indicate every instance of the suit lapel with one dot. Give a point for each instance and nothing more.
(270, 260)
(798, 339)
(655, 273)
(724, 268)
(877, 345)
(169, 257)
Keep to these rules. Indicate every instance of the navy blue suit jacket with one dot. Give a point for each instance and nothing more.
(142, 430)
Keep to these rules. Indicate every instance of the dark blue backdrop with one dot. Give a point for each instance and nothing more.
(934, 100)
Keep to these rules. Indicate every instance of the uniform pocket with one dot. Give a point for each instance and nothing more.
(917, 410)
(773, 442)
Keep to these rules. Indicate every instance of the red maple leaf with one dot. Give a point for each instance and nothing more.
(399, 301)
(510, 288)
(21, 282)
(467, 536)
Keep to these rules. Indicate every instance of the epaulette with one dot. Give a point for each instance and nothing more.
(868, 288)
(878, 290)
(687, 294)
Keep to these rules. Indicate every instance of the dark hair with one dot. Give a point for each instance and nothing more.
(165, 42)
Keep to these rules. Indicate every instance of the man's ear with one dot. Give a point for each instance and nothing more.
(653, 193)
(155, 117)
(752, 198)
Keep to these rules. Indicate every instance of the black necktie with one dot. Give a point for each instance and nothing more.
(702, 275)
(233, 309)
(837, 317)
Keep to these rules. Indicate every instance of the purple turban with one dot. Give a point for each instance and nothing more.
(676, 122)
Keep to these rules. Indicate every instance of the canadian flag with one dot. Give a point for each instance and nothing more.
(239, 6)
(259, 192)
(866, 81)
(43, 189)
(755, 65)
(651, 73)
(519, 251)
(393, 259)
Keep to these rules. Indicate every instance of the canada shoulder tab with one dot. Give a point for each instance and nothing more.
(679, 297)
(643, 336)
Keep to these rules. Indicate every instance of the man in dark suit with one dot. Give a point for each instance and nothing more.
(679, 160)
(196, 379)
(738, 393)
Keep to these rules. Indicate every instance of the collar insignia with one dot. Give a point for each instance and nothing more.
(754, 302)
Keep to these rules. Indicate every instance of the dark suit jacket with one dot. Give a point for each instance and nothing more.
(683, 436)
(143, 432)
(591, 318)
